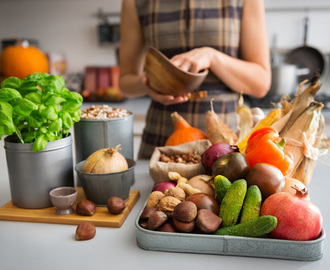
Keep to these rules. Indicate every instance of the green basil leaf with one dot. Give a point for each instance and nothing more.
(9, 94)
(4, 130)
(54, 100)
(33, 122)
(35, 97)
(67, 94)
(76, 116)
(40, 143)
(49, 113)
(35, 77)
(42, 130)
(55, 126)
(28, 87)
(67, 121)
(51, 136)
(24, 107)
(11, 82)
(53, 83)
(71, 106)
(6, 117)
(29, 136)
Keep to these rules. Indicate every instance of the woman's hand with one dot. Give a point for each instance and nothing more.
(161, 98)
(195, 60)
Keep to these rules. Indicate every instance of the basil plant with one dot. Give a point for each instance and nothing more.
(38, 109)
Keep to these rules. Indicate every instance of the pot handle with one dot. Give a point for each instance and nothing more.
(306, 24)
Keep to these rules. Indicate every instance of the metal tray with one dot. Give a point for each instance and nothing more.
(229, 245)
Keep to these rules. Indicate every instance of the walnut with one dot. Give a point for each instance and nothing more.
(167, 205)
(176, 192)
(154, 199)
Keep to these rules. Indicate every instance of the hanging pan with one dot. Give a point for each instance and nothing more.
(307, 57)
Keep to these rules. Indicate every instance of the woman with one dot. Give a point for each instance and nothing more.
(228, 37)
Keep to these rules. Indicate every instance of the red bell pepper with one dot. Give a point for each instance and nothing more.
(266, 146)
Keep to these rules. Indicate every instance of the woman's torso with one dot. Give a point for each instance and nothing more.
(177, 26)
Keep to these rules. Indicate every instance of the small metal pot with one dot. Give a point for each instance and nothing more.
(100, 187)
(285, 79)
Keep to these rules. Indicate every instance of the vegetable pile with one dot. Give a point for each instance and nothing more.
(38, 109)
(255, 183)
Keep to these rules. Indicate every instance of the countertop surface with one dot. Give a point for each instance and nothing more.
(28, 245)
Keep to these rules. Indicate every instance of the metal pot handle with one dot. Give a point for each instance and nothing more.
(306, 24)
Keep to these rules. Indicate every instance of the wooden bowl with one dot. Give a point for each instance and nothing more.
(168, 79)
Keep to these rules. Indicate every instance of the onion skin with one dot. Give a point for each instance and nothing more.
(162, 186)
(216, 151)
(290, 182)
(298, 218)
(106, 160)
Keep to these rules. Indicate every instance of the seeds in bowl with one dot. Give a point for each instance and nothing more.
(103, 112)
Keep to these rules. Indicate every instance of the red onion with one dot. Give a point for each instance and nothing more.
(216, 151)
(162, 186)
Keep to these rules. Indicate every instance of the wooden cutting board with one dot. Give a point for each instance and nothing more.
(102, 217)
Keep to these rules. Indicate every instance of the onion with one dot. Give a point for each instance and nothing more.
(216, 151)
(106, 160)
(162, 186)
(289, 186)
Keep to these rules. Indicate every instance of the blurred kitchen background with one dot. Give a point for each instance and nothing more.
(81, 39)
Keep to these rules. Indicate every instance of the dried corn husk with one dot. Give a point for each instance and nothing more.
(305, 169)
(302, 136)
(246, 119)
(293, 109)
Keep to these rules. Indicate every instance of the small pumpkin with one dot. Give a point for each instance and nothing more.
(22, 60)
(183, 131)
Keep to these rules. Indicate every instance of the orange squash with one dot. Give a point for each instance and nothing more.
(183, 132)
(20, 61)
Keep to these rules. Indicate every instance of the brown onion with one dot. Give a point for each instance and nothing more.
(106, 160)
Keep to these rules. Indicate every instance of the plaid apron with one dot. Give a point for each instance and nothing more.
(177, 26)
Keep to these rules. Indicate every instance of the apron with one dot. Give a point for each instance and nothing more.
(177, 26)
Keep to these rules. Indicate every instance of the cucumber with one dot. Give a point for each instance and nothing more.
(221, 185)
(232, 203)
(252, 204)
(252, 228)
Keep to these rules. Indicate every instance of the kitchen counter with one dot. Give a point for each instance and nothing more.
(28, 245)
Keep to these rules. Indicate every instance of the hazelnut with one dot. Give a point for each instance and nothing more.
(85, 231)
(156, 220)
(167, 205)
(176, 192)
(154, 199)
(86, 208)
(185, 211)
(116, 205)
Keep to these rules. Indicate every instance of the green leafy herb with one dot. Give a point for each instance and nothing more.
(38, 109)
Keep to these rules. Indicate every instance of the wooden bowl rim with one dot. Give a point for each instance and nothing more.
(157, 54)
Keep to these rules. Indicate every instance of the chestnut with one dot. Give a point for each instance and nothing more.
(116, 205)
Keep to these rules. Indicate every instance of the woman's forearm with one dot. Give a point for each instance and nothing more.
(132, 85)
(241, 76)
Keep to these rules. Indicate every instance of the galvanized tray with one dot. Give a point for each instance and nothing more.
(229, 245)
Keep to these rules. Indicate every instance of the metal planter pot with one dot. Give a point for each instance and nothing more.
(93, 134)
(32, 175)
